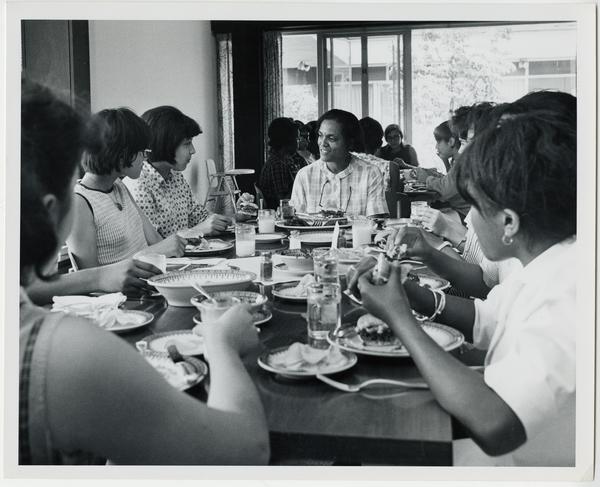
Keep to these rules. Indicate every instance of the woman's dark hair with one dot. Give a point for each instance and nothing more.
(350, 128)
(527, 163)
(313, 137)
(52, 135)
(123, 135)
(372, 134)
(480, 116)
(443, 132)
(563, 104)
(458, 122)
(168, 128)
(283, 134)
(390, 128)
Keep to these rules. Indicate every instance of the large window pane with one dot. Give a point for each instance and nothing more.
(343, 60)
(300, 94)
(462, 66)
(385, 78)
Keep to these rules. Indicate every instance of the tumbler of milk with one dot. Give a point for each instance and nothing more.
(266, 221)
(245, 240)
(361, 232)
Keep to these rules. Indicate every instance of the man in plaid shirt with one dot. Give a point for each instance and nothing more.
(338, 180)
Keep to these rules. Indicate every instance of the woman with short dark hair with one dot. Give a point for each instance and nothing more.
(283, 162)
(161, 191)
(85, 395)
(108, 226)
(396, 148)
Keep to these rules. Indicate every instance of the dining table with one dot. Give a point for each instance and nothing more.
(310, 421)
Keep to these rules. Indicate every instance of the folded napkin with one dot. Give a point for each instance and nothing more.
(102, 309)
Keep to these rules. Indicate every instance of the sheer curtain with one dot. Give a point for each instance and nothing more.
(273, 79)
(225, 115)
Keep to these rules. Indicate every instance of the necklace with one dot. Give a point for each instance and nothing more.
(110, 193)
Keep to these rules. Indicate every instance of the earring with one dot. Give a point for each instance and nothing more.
(506, 240)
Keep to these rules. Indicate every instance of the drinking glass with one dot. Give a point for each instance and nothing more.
(325, 263)
(324, 312)
(416, 210)
(245, 240)
(266, 221)
(361, 231)
(285, 209)
(212, 310)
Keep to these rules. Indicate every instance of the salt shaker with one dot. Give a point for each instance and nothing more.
(266, 267)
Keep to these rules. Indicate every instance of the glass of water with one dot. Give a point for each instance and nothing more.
(245, 240)
(324, 312)
(416, 211)
(266, 221)
(325, 263)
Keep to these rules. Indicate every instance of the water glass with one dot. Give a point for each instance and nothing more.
(324, 312)
(361, 232)
(266, 221)
(245, 240)
(212, 310)
(416, 210)
(325, 262)
(285, 209)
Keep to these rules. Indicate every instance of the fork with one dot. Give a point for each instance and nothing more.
(357, 387)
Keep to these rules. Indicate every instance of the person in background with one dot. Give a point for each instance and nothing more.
(313, 139)
(338, 181)
(396, 149)
(303, 142)
(83, 389)
(108, 226)
(372, 134)
(520, 176)
(161, 191)
(283, 162)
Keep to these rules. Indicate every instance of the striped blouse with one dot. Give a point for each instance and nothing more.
(119, 232)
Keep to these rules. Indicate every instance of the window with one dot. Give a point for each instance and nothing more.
(417, 76)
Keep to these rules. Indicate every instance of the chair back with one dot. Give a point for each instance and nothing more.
(211, 170)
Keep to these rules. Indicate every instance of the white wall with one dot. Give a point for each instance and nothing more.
(144, 64)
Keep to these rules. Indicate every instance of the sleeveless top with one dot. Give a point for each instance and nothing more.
(37, 328)
(119, 233)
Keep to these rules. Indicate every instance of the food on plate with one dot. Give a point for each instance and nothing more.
(301, 356)
(195, 244)
(179, 375)
(301, 289)
(376, 333)
(245, 205)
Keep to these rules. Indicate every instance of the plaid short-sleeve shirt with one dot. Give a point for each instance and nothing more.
(357, 190)
(168, 203)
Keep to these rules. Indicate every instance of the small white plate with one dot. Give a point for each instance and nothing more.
(187, 342)
(279, 291)
(138, 319)
(347, 360)
(316, 238)
(269, 237)
(287, 270)
(216, 246)
(307, 228)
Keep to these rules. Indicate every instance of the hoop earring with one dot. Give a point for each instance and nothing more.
(506, 240)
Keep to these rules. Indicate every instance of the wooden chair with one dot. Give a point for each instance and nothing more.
(223, 183)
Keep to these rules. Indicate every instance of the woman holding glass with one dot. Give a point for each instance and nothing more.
(86, 395)
(520, 177)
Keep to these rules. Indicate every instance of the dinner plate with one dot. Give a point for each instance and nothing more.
(269, 237)
(267, 360)
(308, 228)
(174, 373)
(186, 341)
(281, 291)
(137, 320)
(258, 318)
(447, 338)
(216, 246)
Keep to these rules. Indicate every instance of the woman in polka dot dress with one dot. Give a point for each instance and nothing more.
(161, 191)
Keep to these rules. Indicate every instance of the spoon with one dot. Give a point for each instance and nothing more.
(202, 291)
